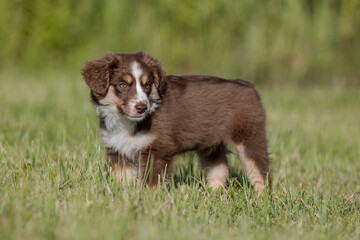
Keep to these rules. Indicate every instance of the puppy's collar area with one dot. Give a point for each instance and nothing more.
(120, 133)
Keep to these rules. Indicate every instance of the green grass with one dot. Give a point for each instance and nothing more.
(52, 184)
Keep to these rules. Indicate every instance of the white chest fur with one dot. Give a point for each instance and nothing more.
(119, 136)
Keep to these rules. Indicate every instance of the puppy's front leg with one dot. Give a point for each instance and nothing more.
(155, 170)
(121, 168)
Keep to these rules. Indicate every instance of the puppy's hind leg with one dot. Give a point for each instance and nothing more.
(216, 166)
(255, 163)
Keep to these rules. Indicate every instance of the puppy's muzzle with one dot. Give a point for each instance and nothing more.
(141, 107)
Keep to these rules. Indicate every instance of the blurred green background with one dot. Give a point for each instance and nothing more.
(302, 55)
(267, 42)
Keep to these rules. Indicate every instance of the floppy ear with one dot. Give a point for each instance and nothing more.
(96, 73)
(157, 71)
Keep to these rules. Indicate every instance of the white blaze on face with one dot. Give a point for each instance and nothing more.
(140, 94)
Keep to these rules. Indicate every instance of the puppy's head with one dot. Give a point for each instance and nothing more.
(133, 83)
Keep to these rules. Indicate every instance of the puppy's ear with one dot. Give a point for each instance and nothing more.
(157, 71)
(97, 73)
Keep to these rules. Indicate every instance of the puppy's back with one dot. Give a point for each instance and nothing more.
(205, 110)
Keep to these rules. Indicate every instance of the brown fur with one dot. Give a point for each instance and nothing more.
(201, 113)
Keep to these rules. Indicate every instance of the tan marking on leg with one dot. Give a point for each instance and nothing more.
(217, 175)
(216, 166)
(252, 172)
(123, 174)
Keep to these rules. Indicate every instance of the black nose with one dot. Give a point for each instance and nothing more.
(140, 107)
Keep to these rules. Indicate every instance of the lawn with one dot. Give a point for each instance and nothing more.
(52, 182)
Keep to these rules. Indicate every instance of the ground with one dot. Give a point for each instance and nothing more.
(53, 185)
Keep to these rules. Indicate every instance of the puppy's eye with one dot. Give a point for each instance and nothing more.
(123, 85)
(147, 86)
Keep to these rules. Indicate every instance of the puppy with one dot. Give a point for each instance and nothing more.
(148, 117)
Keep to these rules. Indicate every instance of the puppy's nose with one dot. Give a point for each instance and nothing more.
(140, 107)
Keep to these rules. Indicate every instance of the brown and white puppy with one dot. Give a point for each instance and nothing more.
(146, 114)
